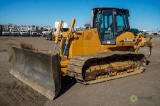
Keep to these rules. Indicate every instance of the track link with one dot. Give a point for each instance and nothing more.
(79, 64)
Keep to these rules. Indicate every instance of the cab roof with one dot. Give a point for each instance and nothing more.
(111, 8)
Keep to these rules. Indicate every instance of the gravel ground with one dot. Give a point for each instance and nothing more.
(143, 88)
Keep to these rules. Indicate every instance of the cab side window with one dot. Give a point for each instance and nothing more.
(120, 22)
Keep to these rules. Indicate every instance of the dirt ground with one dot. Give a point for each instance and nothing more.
(12, 91)
(145, 86)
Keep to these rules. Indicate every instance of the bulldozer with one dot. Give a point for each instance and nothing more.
(105, 51)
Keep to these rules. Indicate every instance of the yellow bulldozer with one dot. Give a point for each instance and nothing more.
(105, 51)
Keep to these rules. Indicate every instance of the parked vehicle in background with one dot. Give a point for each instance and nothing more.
(1, 28)
(5, 33)
(152, 33)
(144, 33)
(45, 32)
(39, 32)
(52, 35)
(134, 31)
(23, 33)
(15, 33)
(34, 33)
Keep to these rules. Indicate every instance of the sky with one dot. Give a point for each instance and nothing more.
(144, 14)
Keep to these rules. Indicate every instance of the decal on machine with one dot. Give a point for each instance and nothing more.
(127, 40)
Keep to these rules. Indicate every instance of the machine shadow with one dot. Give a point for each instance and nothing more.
(67, 83)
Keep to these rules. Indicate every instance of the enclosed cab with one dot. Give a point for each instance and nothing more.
(110, 22)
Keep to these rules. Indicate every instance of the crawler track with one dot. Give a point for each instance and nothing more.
(95, 68)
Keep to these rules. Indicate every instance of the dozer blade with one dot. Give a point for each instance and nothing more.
(38, 70)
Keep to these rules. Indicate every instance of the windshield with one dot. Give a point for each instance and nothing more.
(104, 23)
(122, 21)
